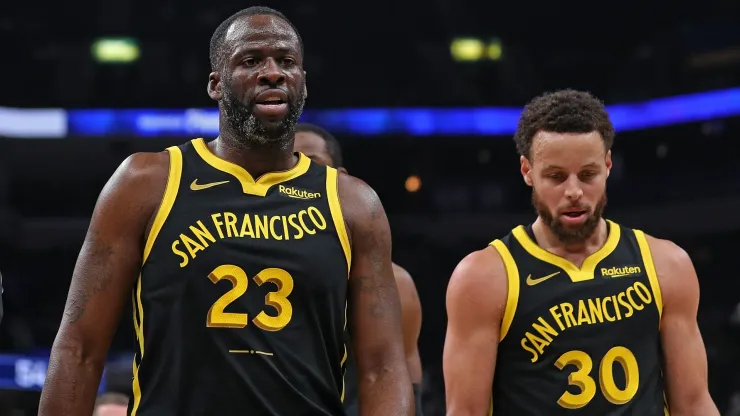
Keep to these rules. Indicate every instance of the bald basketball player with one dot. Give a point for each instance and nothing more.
(322, 147)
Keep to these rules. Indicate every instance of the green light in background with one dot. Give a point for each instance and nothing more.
(494, 50)
(467, 49)
(115, 50)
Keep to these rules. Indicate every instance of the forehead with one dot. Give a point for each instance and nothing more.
(262, 31)
(309, 142)
(567, 149)
(111, 410)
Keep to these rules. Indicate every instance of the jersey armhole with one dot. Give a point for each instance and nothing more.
(168, 199)
(512, 292)
(647, 260)
(332, 196)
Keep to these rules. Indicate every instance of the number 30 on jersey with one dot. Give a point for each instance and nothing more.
(217, 318)
(581, 378)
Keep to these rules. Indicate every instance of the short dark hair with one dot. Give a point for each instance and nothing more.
(565, 111)
(217, 40)
(332, 144)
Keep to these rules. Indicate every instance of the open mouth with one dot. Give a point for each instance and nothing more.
(272, 101)
(574, 214)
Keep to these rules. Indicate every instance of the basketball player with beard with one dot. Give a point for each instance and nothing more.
(573, 314)
(241, 257)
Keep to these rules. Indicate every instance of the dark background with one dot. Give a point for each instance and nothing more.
(680, 182)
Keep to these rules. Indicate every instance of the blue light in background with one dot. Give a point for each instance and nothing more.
(485, 121)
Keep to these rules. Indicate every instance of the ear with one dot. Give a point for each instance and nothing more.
(608, 162)
(214, 86)
(305, 89)
(342, 169)
(526, 169)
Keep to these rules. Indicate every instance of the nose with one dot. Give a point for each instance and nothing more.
(271, 74)
(573, 190)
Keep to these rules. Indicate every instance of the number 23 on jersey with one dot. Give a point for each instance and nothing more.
(217, 318)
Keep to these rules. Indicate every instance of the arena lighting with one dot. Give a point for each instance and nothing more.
(115, 50)
(494, 50)
(482, 121)
(474, 50)
(467, 49)
(413, 183)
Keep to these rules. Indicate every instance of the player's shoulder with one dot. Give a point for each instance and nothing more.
(144, 166)
(404, 282)
(403, 277)
(354, 189)
(480, 273)
(674, 269)
(360, 203)
(478, 287)
(667, 255)
(141, 177)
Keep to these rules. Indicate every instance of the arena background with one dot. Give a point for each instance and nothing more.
(424, 97)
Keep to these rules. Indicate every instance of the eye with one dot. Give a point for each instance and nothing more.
(288, 62)
(250, 62)
(587, 175)
(556, 176)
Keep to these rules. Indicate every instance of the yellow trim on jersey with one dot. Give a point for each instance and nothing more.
(335, 207)
(168, 201)
(490, 407)
(136, 387)
(666, 412)
(344, 370)
(261, 185)
(576, 274)
(512, 279)
(647, 259)
(332, 195)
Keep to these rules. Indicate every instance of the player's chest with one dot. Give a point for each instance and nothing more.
(202, 236)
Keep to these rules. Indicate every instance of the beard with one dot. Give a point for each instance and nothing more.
(567, 234)
(250, 131)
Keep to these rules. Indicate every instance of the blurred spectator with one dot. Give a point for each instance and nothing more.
(111, 404)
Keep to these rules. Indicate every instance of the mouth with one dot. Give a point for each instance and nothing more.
(574, 215)
(272, 97)
(272, 103)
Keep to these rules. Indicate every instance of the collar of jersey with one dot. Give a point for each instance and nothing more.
(576, 274)
(250, 186)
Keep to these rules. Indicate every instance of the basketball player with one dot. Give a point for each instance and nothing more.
(322, 147)
(111, 404)
(240, 255)
(574, 314)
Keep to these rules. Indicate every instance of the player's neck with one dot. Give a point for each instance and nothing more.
(550, 242)
(255, 159)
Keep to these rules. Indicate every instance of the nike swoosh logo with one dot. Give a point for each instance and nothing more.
(532, 282)
(197, 187)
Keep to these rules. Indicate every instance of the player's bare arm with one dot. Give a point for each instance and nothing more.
(411, 318)
(375, 312)
(683, 348)
(103, 278)
(476, 299)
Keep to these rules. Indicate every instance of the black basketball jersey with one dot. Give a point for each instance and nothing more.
(351, 390)
(241, 303)
(579, 341)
